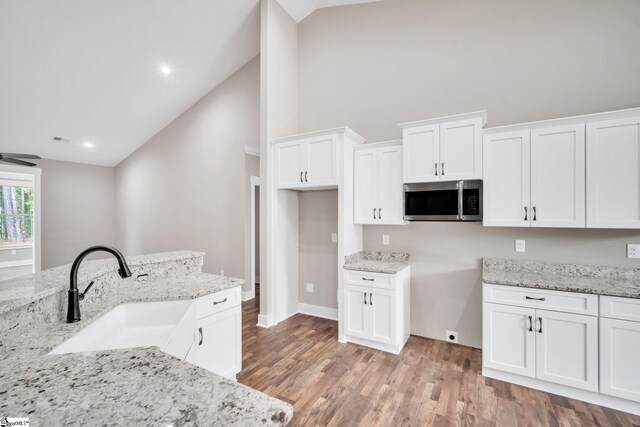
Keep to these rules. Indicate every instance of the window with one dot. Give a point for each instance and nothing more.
(16, 215)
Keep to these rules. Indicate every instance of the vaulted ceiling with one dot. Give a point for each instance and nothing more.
(108, 75)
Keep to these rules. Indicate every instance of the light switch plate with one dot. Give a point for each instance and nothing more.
(334, 237)
(633, 251)
(520, 246)
(310, 287)
(385, 239)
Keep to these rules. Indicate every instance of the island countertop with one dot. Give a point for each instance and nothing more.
(590, 279)
(377, 262)
(128, 386)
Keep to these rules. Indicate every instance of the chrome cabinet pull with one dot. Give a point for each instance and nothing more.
(526, 209)
(201, 337)
(535, 299)
(435, 166)
(365, 298)
(219, 302)
(305, 176)
(530, 323)
(534, 213)
(370, 299)
(442, 169)
(540, 330)
(301, 177)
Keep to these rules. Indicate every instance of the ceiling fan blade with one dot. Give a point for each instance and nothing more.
(19, 156)
(17, 162)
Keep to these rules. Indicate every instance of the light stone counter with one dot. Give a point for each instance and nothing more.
(377, 262)
(590, 279)
(138, 386)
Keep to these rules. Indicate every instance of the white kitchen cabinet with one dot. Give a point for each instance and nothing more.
(552, 346)
(620, 347)
(377, 309)
(443, 149)
(506, 184)
(378, 184)
(508, 339)
(535, 178)
(219, 342)
(613, 173)
(307, 163)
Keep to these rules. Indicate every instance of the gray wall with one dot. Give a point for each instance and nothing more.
(252, 168)
(78, 209)
(185, 188)
(318, 256)
(374, 65)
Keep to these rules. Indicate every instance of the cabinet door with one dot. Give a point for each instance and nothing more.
(321, 161)
(567, 349)
(365, 189)
(506, 180)
(389, 184)
(558, 177)
(508, 339)
(382, 306)
(461, 150)
(219, 341)
(289, 167)
(619, 350)
(613, 173)
(357, 314)
(421, 154)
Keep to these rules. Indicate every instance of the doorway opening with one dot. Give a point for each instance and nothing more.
(254, 277)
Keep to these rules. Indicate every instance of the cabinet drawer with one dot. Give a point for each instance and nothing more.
(620, 308)
(569, 302)
(217, 302)
(363, 278)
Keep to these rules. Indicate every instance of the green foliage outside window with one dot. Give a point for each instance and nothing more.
(16, 214)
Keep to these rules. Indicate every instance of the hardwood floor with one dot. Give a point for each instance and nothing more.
(430, 383)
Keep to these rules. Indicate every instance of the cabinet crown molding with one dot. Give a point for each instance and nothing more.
(465, 116)
(345, 130)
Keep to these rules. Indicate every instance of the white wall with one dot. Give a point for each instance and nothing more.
(185, 188)
(375, 65)
(318, 256)
(78, 210)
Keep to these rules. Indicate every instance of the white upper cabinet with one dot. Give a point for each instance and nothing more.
(506, 179)
(443, 149)
(535, 178)
(307, 163)
(558, 177)
(378, 184)
(613, 173)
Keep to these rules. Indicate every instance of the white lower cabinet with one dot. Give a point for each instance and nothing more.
(377, 314)
(552, 346)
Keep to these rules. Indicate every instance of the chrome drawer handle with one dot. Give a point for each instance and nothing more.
(535, 299)
(369, 280)
(219, 302)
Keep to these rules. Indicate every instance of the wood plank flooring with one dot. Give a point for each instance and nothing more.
(430, 383)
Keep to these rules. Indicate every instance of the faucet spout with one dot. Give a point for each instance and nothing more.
(73, 311)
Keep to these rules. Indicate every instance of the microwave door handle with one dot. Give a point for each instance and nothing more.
(460, 199)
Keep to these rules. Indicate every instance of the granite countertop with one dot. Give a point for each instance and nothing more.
(590, 279)
(128, 386)
(377, 262)
(24, 290)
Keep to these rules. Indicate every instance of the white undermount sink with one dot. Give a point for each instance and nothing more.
(136, 325)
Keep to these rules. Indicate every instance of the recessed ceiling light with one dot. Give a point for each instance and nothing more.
(88, 145)
(165, 70)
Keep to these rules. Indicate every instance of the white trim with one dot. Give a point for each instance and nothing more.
(464, 116)
(16, 246)
(389, 348)
(562, 390)
(347, 131)
(266, 321)
(254, 181)
(318, 311)
(20, 263)
(248, 295)
(369, 145)
(252, 150)
(35, 174)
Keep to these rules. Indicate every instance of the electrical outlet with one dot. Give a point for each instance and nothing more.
(385, 239)
(520, 246)
(13, 252)
(334, 237)
(633, 251)
(310, 287)
(452, 336)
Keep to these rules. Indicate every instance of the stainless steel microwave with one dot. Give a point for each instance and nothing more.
(443, 201)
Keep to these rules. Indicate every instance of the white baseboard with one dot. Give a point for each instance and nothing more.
(21, 263)
(265, 321)
(248, 295)
(318, 311)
